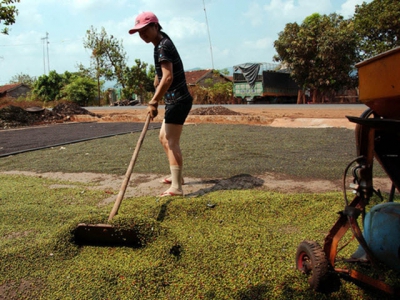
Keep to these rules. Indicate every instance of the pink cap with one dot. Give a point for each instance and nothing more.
(143, 19)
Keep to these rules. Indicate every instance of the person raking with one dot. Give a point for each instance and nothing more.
(170, 84)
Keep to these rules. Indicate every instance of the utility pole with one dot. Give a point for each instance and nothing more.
(44, 61)
(209, 37)
(48, 59)
(45, 41)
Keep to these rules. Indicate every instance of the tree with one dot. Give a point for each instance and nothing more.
(71, 86)
(48, 87)
(116, 61)
(378, 26)
(224, 71)
(23, 78)
(81, 90)
(320, 52)
(84, 71)
(213, 90)
(139, 79)
(8, 13)
(221, 93)
(95, 42)
(108, 56)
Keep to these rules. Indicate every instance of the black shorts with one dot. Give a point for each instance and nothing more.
(177, 113)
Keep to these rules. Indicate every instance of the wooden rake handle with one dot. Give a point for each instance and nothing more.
(128, 173)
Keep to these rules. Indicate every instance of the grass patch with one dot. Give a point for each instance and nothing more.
(224, 245)
(209, 150)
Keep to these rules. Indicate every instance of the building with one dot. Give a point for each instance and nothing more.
(264, 83)
(201, 83)
(205, 78)
(14, 90)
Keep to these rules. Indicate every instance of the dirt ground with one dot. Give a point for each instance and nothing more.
(149, 184)
(290, 116)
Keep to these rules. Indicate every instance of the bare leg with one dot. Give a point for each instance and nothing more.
(170, 135)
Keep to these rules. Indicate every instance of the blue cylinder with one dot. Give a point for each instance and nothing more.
(382, 233)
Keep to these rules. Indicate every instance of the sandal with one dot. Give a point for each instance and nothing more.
(169, 194)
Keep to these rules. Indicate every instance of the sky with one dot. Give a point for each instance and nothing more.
(218, 34)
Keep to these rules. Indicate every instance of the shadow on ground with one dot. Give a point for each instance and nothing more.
(237, 182)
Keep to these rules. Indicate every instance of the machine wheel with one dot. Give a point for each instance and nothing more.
(367, 114)
(311, 260)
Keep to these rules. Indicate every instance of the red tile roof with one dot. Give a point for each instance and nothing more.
(193, 77)
(9, 87)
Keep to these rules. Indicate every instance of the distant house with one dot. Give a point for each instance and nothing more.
(205, 78)
(200, 80)
(14, 90)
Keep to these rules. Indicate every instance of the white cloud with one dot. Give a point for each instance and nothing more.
(31, 17)
(68, 47)
(176, 8)
(90, 6)
(184, 27)
(255, 14)
(260, 44)
(84, 4)
(25, 42)
(241, 31)
(297, 10)
(347, 9)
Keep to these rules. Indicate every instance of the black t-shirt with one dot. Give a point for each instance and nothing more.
(166, 51)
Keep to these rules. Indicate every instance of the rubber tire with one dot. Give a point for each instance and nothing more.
(311, 260)
(367, 114)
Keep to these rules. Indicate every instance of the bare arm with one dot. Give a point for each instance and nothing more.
(166, 81)
(155, 83)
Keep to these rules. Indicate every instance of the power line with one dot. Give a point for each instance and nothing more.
(33, 44)
(18, 45)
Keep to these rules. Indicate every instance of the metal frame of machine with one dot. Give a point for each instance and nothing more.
(377, 137)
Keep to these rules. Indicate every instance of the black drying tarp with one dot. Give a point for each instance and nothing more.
(54, 135)
(250, 72)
